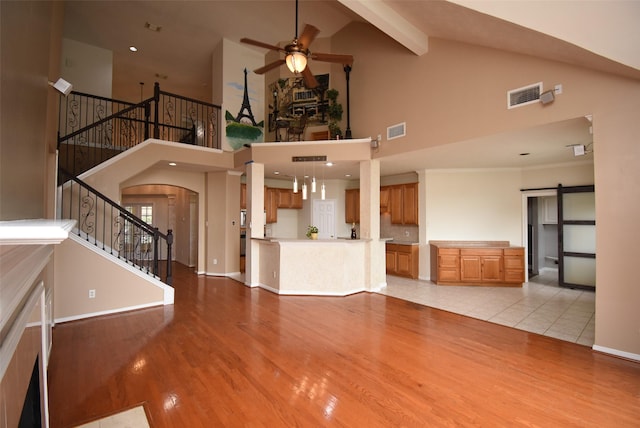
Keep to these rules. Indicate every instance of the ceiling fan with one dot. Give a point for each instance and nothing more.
(297, 54)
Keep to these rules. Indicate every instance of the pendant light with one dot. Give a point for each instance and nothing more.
(295, 184)
(313, 179)
(323, 191)
(304, 190)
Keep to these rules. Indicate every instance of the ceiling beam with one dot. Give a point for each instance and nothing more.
(387, 20)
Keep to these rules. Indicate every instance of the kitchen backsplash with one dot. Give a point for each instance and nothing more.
(399, 232)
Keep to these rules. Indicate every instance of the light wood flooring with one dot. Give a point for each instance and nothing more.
(226, 355)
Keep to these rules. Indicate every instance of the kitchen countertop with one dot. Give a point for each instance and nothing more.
(393, 241)
(473, 244)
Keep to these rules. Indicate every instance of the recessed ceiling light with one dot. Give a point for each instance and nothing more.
(525, 154)
(329, 164)
(172, 164)
(276, 172)
(133, 49)
(347, 175)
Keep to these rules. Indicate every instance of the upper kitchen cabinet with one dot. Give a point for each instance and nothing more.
(288, 199)
(352, 206)
(384, 199)
(243, 196)
(271, 205)
(404, 203)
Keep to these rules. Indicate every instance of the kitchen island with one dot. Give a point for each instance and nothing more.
(488, 263)
(332, 267)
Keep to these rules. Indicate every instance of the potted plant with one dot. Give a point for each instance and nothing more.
(312, 232)
(334, 111)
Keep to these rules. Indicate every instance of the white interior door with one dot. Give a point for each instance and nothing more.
(324, 217)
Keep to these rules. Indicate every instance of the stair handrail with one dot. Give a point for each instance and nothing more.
(101, 136)
(112, 116)
(133, 219)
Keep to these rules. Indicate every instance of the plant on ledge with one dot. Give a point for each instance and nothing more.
(312, 232)
(334, 111)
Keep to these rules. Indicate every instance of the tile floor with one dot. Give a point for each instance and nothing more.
(540, 306)
(132, 418)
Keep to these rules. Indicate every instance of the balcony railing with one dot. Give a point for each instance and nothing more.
(113, 229)
(93, 129)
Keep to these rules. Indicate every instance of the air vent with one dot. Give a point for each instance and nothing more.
(397, 131)
(524, 96)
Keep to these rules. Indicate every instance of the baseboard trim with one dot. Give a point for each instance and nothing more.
(310, 293)
(616, 352)
(109, 312)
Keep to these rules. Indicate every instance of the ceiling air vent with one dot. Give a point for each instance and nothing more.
(525, 95)
(397, 131)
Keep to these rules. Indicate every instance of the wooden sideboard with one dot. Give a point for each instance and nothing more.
(488, 263)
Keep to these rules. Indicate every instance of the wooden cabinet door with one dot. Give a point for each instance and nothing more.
(352, 206)
(296, 200)
(243, 196)
(491, 268)
(271, 205)
(396, 203)
(390, 258)
(284, 198)
(384, 199)
(410, 203)
(470, 268)
(403, 264)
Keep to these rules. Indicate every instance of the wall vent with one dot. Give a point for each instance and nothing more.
(524, 96)
(397, 131)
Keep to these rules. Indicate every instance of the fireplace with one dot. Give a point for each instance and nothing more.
(31, 416)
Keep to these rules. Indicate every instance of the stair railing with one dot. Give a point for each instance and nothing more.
(110, 227)
(92, 129)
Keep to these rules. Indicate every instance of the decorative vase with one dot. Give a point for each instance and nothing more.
(314, 236)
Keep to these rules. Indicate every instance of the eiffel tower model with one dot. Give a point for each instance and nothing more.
(245, 110)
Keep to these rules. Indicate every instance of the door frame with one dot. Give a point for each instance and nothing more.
(526, 194)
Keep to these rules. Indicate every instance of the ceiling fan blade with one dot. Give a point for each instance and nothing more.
(308, 35)
(309, 79)
(269, 66)
(337, 58)
(260, 44)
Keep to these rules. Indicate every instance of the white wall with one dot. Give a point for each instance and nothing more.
(476, 205)
(88, 68)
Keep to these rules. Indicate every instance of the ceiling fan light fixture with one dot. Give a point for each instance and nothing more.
(296, 61)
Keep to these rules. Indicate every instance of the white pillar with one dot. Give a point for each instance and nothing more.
(255, 221)
(375, 265)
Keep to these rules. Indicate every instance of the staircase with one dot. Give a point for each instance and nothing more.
(92, 130)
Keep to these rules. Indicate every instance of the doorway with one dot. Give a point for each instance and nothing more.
(540, 233)
(324, 217)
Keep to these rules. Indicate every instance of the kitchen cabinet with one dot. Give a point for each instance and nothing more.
(385, 192)
(404, 203)
(288, 199)
(476, 263)
(481, 265)
(513, 265)
(549, 209)
(271, 205)
(243, 196)
(402, 260)
(352, 206)
(448, 264)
